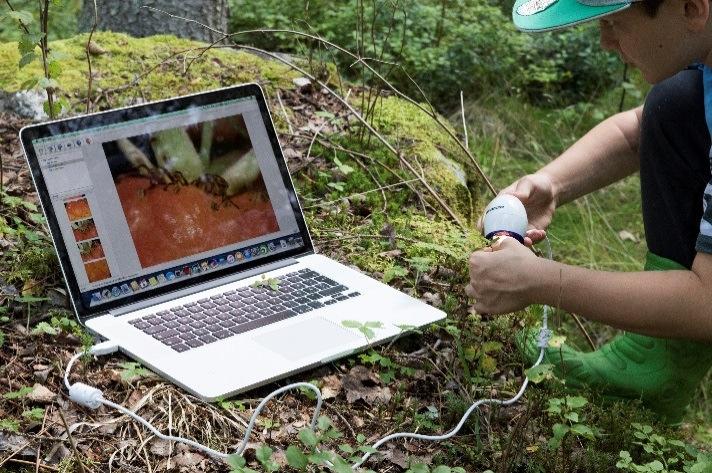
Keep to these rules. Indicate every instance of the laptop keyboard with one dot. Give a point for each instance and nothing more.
(221, 316)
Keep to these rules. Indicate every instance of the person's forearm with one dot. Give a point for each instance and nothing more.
(670, 304)
(606, 154)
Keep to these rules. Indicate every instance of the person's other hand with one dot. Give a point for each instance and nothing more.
(501, 277)
(536, 192)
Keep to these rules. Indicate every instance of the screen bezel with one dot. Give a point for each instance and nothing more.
(86, 122)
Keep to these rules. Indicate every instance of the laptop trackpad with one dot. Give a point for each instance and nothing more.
(307, 339)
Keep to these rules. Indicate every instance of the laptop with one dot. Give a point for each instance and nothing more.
(181, 239)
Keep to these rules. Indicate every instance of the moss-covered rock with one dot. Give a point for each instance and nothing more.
(161, 62)
(163, 65)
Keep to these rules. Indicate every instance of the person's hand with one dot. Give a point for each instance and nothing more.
(536, 192)
(501, 277)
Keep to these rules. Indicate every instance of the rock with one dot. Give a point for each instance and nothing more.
(26, 103)
(41, 394)
(301, 82)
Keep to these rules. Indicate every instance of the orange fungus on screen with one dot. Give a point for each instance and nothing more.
(172, 222)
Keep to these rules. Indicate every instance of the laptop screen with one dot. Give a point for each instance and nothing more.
(148, 202)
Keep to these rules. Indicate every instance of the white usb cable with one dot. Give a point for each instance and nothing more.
(93, 398)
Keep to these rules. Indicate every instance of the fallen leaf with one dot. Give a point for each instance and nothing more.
(330, 387)
(41, 394)
(362, 384)
(94, 48)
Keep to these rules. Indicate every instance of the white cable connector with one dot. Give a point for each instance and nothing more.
(92, 397)
(86, 395)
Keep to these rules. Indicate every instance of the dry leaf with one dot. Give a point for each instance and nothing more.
(41, 394)
(330, 387)
(361, 383)
(94, 48)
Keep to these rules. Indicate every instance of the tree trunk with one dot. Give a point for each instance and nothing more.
(127, 16)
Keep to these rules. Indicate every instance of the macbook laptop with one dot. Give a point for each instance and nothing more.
(181, 240)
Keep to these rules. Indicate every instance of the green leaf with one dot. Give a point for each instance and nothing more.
(9, 424)
(236, 461)
(30, 83)
(2, 338)
(351, 323)
(132, 370)
(339, 186)
(418, 468)
(323, 423)
(575, 402)
(346, 448)
(560, 430)
(308, 437)
(22, 16)
(539, 373)
(22, 392)
(572, 416)
(263, 453)
(373, 324)
(44, 328)
(296, 458)
(584, 431)
(655, 465)
(45, 83)
(36, 414)
(442, 469)
(54, 69)
(394, 272)
(28, 42)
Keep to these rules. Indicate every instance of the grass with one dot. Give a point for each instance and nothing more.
(512, 139)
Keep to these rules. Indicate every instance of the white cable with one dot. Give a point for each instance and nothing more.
(92, 397)
(542, 343)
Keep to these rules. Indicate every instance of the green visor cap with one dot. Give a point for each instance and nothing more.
(549, 15)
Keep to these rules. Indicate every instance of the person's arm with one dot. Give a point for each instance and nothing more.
(606, 154)
(671, 304)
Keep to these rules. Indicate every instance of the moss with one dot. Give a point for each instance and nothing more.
(127, 58)
(440, 241)
(427, 146)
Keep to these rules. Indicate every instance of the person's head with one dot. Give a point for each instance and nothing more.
(660, 37)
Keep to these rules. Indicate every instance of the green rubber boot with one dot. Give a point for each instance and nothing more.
(662, 373)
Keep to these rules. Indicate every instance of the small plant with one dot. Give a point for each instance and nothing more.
(10, 425)
(567, 411)
(394, 272)
(422, 468)
(366, 328)
(131, 371)
(35, 414)
(388, 368)
(663, 454)
(19, 394)
(271, 283)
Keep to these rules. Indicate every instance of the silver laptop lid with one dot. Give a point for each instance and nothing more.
(154, 198)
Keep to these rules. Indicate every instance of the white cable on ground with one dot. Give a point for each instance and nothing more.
(92, 397)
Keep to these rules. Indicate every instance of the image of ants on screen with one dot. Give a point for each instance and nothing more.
(190, 189)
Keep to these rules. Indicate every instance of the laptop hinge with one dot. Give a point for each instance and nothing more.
(202, 287)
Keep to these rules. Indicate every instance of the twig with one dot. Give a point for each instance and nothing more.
(464, 124)
(362, 60)
(90, 79)
(41, 465)
(375, 133)
(397, 184)
(583, 330)
(189, 20)
(284, 111)
(71, 441)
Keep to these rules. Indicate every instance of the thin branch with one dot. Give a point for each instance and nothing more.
(464, 123)
(86, 50)
(389, 186)
(189, 20)
(284, 111)
(71, 441)
(375, 133)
